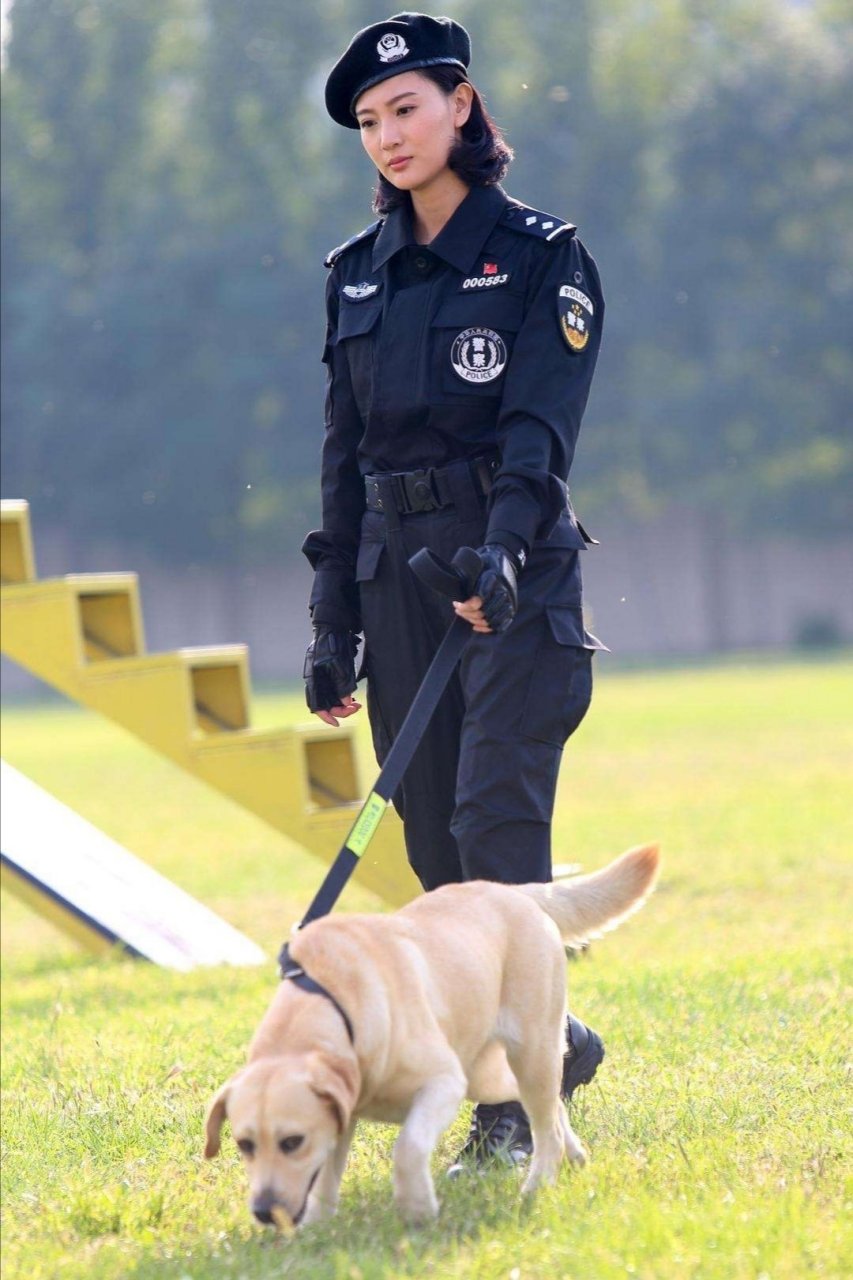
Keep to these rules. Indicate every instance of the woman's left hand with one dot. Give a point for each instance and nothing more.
(472, 611)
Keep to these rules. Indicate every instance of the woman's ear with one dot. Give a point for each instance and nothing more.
(463, 97)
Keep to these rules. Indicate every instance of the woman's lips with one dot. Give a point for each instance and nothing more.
(399, 162)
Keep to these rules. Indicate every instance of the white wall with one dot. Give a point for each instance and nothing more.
(675, 587)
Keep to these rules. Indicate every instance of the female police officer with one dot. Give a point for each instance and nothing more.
(463, 330)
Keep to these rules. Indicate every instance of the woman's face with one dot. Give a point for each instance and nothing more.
(408, 126)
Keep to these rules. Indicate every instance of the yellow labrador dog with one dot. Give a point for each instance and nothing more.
(460, 994)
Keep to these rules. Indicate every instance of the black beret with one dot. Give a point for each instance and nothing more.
(403, 43)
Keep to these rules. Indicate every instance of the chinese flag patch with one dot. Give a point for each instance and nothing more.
(490, 268)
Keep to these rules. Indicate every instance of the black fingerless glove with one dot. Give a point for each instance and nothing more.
(329, 670)
(497, 585)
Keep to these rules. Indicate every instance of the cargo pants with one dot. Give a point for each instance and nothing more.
(478, 798)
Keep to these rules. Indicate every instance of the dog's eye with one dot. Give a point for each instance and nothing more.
(247, 1146)
(288, 1145)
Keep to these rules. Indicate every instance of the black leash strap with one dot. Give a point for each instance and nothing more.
(456, 580)
(290, 969)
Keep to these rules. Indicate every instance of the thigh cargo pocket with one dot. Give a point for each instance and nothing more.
(366, 568)
(367, 562)
(560, 688)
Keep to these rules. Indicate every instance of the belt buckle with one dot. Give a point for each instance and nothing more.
(418, 491)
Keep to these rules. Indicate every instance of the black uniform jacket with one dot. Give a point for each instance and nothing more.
(486, 339)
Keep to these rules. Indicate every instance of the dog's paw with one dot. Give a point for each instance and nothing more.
(418, 1211)
(318, 1211)
(572, 1146)
(576, 1154)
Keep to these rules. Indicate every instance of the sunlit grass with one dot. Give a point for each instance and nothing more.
(718, 1124)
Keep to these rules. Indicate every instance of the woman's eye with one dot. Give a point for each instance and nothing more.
(247, 1146)
(401, 111)
(366, 124)
(288, 1145)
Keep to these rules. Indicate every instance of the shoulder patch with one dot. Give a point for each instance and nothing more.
(364, 234)
(532, 222)
(576, 312)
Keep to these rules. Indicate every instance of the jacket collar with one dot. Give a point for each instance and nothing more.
(461, 238)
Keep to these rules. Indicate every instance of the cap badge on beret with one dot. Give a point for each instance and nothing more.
(391, 47)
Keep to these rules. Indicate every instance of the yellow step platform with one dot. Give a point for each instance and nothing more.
(84, 635)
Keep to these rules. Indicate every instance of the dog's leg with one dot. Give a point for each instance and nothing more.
(538, 1068)
(575, 1153)
(490, 1079)
(433, 1109)
(323, 1201)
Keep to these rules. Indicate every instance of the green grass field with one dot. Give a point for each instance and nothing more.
(718, 1125)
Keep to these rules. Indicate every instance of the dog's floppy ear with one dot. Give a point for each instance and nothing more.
(336, 1081)
(217, 1113)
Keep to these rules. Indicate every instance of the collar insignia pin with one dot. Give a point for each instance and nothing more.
(358, 292)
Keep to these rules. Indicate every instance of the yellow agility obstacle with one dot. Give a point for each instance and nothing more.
(98, 893)
(83, 634)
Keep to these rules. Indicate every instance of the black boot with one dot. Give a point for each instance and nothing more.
(582, 1058)
(499, 1134)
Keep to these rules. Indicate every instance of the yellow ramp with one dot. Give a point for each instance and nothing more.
(84, 635)
(98, 893)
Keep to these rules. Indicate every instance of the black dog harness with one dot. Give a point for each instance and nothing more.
(293, 972)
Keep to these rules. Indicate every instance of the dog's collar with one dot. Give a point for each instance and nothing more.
(293, 972)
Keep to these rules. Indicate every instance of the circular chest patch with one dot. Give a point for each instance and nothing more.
(478, 355)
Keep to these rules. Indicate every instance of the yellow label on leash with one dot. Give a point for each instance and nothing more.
(366, 823)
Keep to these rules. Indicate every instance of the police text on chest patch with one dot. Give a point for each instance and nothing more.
(576, 312)
(358, 292)
(478, 355)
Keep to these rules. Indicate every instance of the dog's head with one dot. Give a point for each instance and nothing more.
(286, 1115)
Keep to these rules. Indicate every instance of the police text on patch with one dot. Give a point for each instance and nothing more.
(569, 291)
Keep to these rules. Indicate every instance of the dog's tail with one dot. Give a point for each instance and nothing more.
(587, 906)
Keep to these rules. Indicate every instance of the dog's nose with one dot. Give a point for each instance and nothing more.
(262, 1207)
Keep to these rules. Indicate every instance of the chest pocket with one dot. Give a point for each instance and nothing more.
(472, 338)
(357, 324)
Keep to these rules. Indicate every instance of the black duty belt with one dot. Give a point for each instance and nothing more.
(411, 492)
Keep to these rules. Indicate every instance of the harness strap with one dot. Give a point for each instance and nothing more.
(293, 972)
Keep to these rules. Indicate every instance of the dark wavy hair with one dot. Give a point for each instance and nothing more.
(481, 157)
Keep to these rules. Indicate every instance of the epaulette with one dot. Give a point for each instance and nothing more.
(545, 226)
(365, 234)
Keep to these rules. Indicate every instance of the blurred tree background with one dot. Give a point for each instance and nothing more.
(171, 184)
